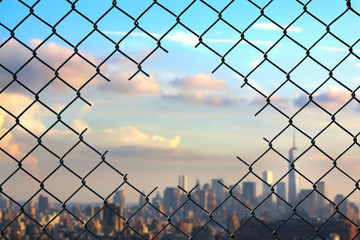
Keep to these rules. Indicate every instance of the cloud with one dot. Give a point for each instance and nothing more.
(8, 144)
(199, 81)
(273, 27)
(202, 99)
(333, 98)
(32, 119)
(138, 85)
(189, 39)
(35, 74)
(131, 136)
(277, 101)
(80, 125)
(167, 157)
(335, 49)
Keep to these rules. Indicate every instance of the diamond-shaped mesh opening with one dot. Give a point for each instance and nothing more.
(332, 11)
(90, 45)
(302, 26)
(313, 158)
(73, 159)
(293, 52)
(199, 17)
(51, 142)
(13, 21)
(76, 72)
(35, 75)
(329, 51)
(9, 50)
(326, 141)
(339, 26)
(309, 75)
(95, 12)
(264, 34)
(266, 76)
(104, 174)
(71, 24)
(221, 37)
(31, 119)
(55, 13)
(118, 31)
(46, 161)
(53, 52)
(277, 11)
(43, 30)
(160, 26)
(313, 126)
(242, 49)
(62, 183)
(26, 186)
(245, 11)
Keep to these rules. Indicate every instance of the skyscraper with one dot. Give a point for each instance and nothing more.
(171, 199)
(112, 221)
(43, 204)
(119, 198)
(219, 190)
(203, 198)
(292, 185)
(249, 189)
(281, 191)
(183, 182)
(308, 203)
(320, 199)
(268, 178)
(4, 203)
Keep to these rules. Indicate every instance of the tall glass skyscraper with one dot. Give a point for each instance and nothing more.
(292, 184)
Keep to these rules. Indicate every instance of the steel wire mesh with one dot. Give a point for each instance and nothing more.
(129, 228)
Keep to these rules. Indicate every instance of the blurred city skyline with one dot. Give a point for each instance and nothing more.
(182, 119)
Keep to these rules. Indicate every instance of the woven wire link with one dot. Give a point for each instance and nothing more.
(130, 230)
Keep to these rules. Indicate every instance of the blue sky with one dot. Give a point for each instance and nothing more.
(182, 118)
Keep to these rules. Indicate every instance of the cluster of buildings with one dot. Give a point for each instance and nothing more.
(212, 211)
(110, 221)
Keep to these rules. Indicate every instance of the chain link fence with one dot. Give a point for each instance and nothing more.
(247, 219)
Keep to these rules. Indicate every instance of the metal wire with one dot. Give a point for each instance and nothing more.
(130, 231)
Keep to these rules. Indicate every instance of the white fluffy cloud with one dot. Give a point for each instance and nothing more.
(8, 142)
(131, 136)
(272, 27)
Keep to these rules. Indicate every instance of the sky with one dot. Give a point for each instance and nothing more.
(182, 118)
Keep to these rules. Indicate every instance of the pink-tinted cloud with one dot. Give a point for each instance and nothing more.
(277, 101)
(333, 98)
(202, 99)
(199, 81)
(35, 74)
